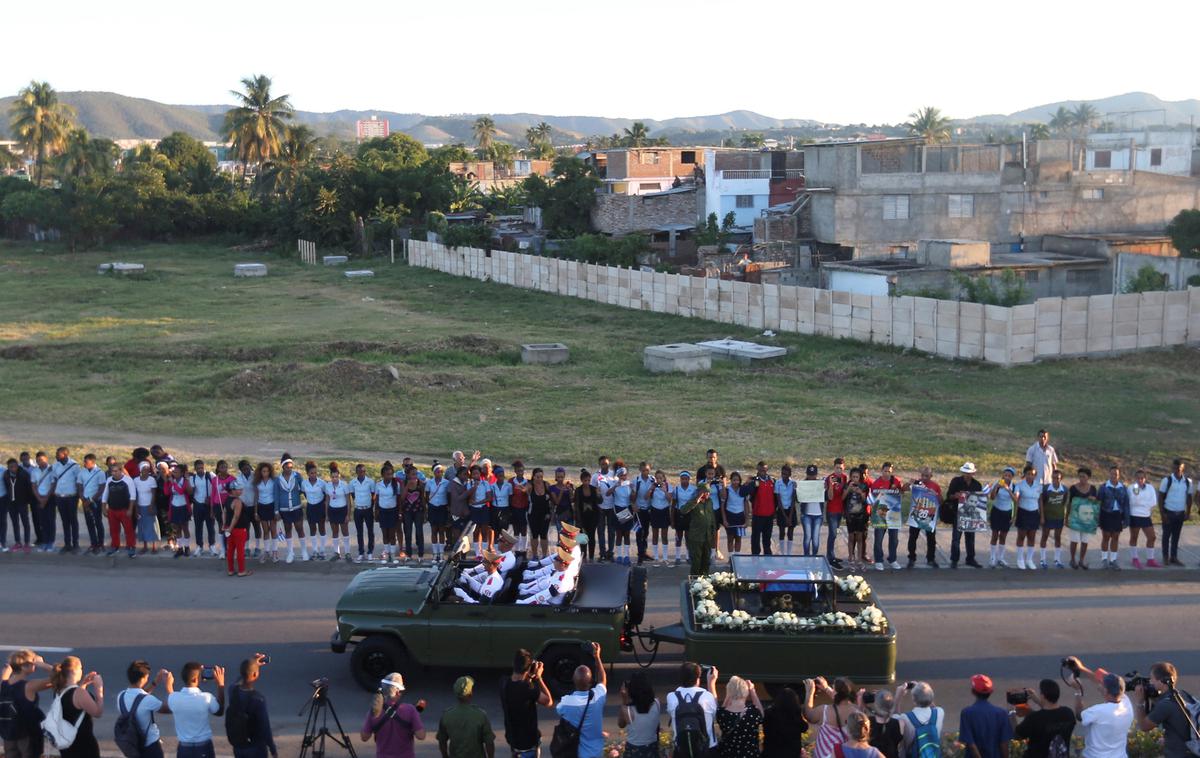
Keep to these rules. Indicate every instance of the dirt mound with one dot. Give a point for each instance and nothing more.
(341, 377)
(468, 343)
(19, 353)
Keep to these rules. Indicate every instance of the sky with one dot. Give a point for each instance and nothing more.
(866, 61)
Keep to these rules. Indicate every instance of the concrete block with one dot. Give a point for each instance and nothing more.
(1125, 342)
(840, 297)
(947, 349)
(249, 269)
(1073, 346)
(676, 357)
(741, 351)
(1027, 311)
(1049, 311)
(335, 260)
(1048, 348)
(117, 267)
(545, 352)
(359, 274)
(841, 310)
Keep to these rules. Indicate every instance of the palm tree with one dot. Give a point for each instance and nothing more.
(255, 126)
(298, 148)
(8, 159)
(40, 123)
(636, 135)
(1038, 131)
(929, 124)
(1082, 118)
(544, 131)
(485, 133)
(83, 156)
(753, 139)
(1061, 120)
(501, 153)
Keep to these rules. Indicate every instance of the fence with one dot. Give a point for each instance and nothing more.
(1049, 328)
(308, 252)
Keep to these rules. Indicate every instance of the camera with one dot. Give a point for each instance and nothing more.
(705, 674)
(910, 685)
(1069, 665)
(206, 673)
(263, 659)
(320, 684)
(1133, 680)
(1017, 697)
(868, 698)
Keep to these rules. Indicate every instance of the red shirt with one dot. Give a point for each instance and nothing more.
(932, 485)
(132, 468)
(890, 483)
(764, 497)
(835, 483)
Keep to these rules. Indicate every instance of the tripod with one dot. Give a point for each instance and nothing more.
(319, 708)
(1193, 741)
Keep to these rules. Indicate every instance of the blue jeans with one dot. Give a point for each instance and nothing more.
(893, 538)
(68, 511)
(608, 531)
(195, 750)
(812, 533)
(834, 520)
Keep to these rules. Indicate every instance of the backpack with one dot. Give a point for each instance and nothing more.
(691, 726)
(10, 717)
(59, 732)
(237, 721)
(1192, 706)
(948, 511)
(925, 743)
(118, 496)
(1058, 748)
(126, 734)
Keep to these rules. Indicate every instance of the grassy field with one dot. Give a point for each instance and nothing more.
(304, 355)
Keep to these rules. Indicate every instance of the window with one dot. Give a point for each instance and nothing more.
(1102, 159)
(649, 159)
(1043, 195)
(895, 207)
(1085, 277)
(687, 156)
(1093, 193)
(745, 201)
(1031, 277)
(961, 206)
(1156, 156)
(649, 187)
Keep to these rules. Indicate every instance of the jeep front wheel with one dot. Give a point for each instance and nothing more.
(374, 658)
(560, 663)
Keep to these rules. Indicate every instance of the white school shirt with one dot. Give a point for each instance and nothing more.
(641, 489)
(66, 477)
(91, 482)
(1142, 500)
(706, 701)
(734, 502)
(200, 491)
(144, 489)
(684, 494)
(337, 493)
(387, 495)
(314, 492)
(249, 493)
(178, 499)
(479, 499)
(191, 708)
(604, 484)
(1004, 496)
(1176, 491)
(266, 492)
(661, 499)
(362, 489)
(502, 493)
(41, 479)
(1029, 496)
(438, 492)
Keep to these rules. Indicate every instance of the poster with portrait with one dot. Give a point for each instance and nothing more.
(1085, 515)
(923, 510)
(885, 512)
(810, 491)
(973, 513)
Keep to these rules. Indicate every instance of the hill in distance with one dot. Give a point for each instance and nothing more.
(108, 114)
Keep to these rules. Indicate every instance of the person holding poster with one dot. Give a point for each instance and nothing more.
(1083, 515)
(923, 516)
(835, 485)
(854, 499)
(1054, 514)
(885, 516)
(960, 488)
(811, 495)
(1002, 494)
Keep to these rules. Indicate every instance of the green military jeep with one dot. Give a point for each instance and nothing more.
(396, 616)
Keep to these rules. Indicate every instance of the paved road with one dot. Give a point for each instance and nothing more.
(1012, 625)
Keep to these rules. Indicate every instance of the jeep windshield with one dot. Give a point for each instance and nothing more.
(449, 570)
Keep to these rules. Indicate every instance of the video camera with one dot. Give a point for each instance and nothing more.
(1017, 697)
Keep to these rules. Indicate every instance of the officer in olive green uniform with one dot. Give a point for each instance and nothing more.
(699, 529)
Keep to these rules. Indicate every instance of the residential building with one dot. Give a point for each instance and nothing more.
(372, 128)
(747, 182)
(881, 198)
(1162, 151)
(642, 170)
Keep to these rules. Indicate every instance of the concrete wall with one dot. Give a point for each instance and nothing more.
(1178, 270)
(622, 214)
(1050, 328)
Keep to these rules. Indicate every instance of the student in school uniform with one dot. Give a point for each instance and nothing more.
(480, 496)
(437, 499)
(643, 487)
(64, 488)
(733, 512)
(412, 514)
(387, 510)
(1003, 495)
(786, 517)
(179, 490)
(201, 481)
(313, 490)
(42, 481)
(680, 496)
(91, 483)
(501, 516)
(265, 511)
(244, 477)
(337, 495)
(362, 491)
(625, 515)
(518, 500)
(659, 515)
(288, 489)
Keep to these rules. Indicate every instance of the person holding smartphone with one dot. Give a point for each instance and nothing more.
(520, 695)
(192, 708)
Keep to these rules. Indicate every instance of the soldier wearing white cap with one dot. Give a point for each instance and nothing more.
(508, 558)
(482, 589)
(553, 589)
(565, 542)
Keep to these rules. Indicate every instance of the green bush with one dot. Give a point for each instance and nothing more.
(1008, 289)
(607, 251)
(1147, 279)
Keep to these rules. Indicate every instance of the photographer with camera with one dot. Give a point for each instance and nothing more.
(520, 695)
(192, 707)
(925, 718)
(692, 709)
(393, 724)
(1176, 716)
(247, 722)
(1047, 725)
(1105, 725)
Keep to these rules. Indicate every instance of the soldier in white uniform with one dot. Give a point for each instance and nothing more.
(482, 589)
(564, 530)
(566, 543)
(550, 590)
(508, 558)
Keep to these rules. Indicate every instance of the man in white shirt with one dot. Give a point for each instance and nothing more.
(1175, 503)
(1105, 726)
(144, 710)
(604, 480)
(692, 691)
(192, 708)
(1042, 456)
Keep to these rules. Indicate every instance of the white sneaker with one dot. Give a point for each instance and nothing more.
(879, 567)
(290, 556)
(895, 565)
(1001, 563)
(304, 555)
(1021, 562)
(360, 558)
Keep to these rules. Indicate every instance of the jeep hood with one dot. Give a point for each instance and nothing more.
(387, 591)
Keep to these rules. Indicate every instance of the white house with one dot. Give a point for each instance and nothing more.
(1163, 152)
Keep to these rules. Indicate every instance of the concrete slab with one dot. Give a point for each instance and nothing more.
(677, 357)
(741, 351)
(359, 274)
(249, 269)
(545, 352)
(335, 260)
(117, 267)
